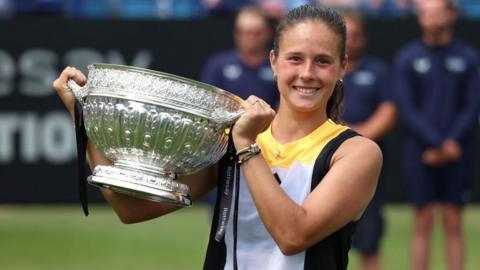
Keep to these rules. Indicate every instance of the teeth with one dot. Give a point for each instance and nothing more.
(306, 90)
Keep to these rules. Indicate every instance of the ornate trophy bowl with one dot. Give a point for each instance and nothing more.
(153, 126)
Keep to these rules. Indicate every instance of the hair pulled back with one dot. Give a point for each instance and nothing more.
(335, 22)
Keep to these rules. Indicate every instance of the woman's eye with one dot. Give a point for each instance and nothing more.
(295, 59)
(323, 61)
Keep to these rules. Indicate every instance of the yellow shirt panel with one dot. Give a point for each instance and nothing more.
(304, 150)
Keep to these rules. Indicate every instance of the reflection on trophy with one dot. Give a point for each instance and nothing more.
(154, 126)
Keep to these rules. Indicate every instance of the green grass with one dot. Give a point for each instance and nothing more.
(59, 237)
(396, 241)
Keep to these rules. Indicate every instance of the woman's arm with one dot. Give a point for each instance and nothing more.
(341, 197)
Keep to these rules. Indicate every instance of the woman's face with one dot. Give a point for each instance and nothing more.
(308, 66)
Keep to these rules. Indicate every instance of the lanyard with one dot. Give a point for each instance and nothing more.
(82, 139)
(229, 184)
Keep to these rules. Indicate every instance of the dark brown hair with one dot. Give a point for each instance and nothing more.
(334, 21)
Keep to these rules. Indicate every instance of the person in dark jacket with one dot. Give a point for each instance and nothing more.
(437, 89)
(370, 111)
(245, 70)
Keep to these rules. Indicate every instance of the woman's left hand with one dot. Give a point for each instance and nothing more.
(256, 119)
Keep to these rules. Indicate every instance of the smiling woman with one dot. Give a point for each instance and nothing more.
(304, 178)
(299, 200)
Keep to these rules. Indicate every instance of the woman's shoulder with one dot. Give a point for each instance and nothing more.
(361, 148)
(361, 144)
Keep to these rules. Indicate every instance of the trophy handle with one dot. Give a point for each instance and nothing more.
(227, 118)
(237, 114)
(79, 91)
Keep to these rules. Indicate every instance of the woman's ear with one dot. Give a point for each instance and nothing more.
(273, 62)
(344, 66)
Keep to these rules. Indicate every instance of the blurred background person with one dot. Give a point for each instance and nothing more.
(437, 88)
(277, 8)
(389, 7)
(226, 6)
(245, 70)
(380, 8)
(369, 110)
(343, 4)
(272, 8)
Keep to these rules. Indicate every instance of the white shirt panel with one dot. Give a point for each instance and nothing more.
(255, 247)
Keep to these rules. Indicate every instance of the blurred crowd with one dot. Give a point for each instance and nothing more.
(192, 9)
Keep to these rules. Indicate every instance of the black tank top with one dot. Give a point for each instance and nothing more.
(329, 254)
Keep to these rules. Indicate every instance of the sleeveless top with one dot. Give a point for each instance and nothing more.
(298, 167)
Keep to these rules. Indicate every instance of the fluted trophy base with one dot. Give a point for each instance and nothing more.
(145, 185)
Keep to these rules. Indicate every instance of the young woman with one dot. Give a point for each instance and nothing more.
(299, 199)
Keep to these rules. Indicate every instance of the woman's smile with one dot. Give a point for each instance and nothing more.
(306, 90)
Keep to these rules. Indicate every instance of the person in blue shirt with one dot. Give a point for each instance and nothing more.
(245, 70)
(369, 110)
(437, 88)
(225, 6)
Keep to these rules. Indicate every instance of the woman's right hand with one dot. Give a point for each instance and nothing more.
(256, 119)
(63, 91)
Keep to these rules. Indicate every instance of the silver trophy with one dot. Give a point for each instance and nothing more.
(154, 126)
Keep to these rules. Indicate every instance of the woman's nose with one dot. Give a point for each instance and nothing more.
(307, 71)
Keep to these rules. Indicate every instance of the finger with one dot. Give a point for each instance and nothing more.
(61, 81)
(272, 113)
(264, 105)
(261, 108)
(258, 104)
(251, 106)
(70, 73)
(252, 99)
(78, 76)
(264, 108)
